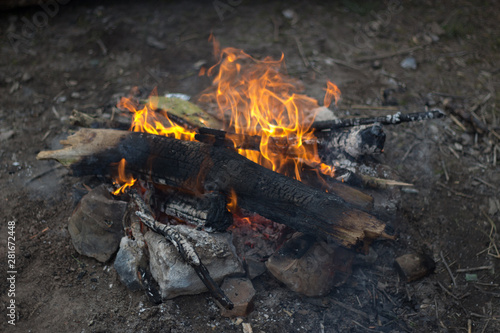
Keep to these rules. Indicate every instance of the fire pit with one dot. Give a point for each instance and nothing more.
(262, 178)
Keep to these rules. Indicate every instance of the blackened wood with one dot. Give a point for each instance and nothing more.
(206, 168)
(207, 211)
(355, 142)
(394, 119)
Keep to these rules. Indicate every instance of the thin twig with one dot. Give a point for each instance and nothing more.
(458, 122)
(455, 192)
(408, 151)
(41, 232)
(454, 152)
(364, 327)
(445, 171)
(349, 308)
(473, 269)
(388, 55)
(485, 325)
(485, 183)
(301, 52)
(448, 269)
(446, 290)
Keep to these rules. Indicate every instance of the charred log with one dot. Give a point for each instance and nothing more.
(355, 142)
(205, 168)
(207, 211)
(394, 119)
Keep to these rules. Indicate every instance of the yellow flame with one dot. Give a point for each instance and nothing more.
(332, 93)
(123, 178)
(261, 100)
(149, 121)
(254, 97)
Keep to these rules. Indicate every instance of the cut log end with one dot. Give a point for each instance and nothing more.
(85, 142)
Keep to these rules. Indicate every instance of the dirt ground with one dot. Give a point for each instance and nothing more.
(83, 55)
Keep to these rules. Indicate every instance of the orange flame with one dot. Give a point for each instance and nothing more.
(332, 92)
(123, 178)
(254, 98)
(260, 100)
(232, 203)
(147, 120)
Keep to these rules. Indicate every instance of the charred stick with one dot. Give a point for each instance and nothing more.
(355, 142)
(185, 249)
(394, 119)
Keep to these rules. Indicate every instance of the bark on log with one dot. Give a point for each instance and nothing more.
(206, 168)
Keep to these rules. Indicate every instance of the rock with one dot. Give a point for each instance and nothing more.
(155, 43)
(96, 224)
(6, 135)
(128, 260)
(241, 292)
(493, 206)
(247, 328)
(26, 77)
(254, 267)
(310, 268)
(414, 266)
(175, 277)
(409, 63)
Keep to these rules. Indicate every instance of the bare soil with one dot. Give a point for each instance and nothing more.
(84, 55)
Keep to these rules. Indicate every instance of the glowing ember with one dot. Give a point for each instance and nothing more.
(123, 178)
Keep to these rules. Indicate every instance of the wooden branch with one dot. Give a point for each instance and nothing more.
(205, 168)
(394, 119)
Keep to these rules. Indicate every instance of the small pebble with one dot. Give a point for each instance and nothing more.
(409, 63)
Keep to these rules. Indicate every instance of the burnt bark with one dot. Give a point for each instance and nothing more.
(206, 168)
(207, 211)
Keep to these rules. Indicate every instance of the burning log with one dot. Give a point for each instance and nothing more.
(356, 142)
(204, 168)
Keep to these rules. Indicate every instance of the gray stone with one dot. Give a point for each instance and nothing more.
(175, 277)
(96, 224)
(129, 258)
(310, 268)
(241, 292)
(409, 63)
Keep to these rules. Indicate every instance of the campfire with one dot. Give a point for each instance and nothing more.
(256, 177)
